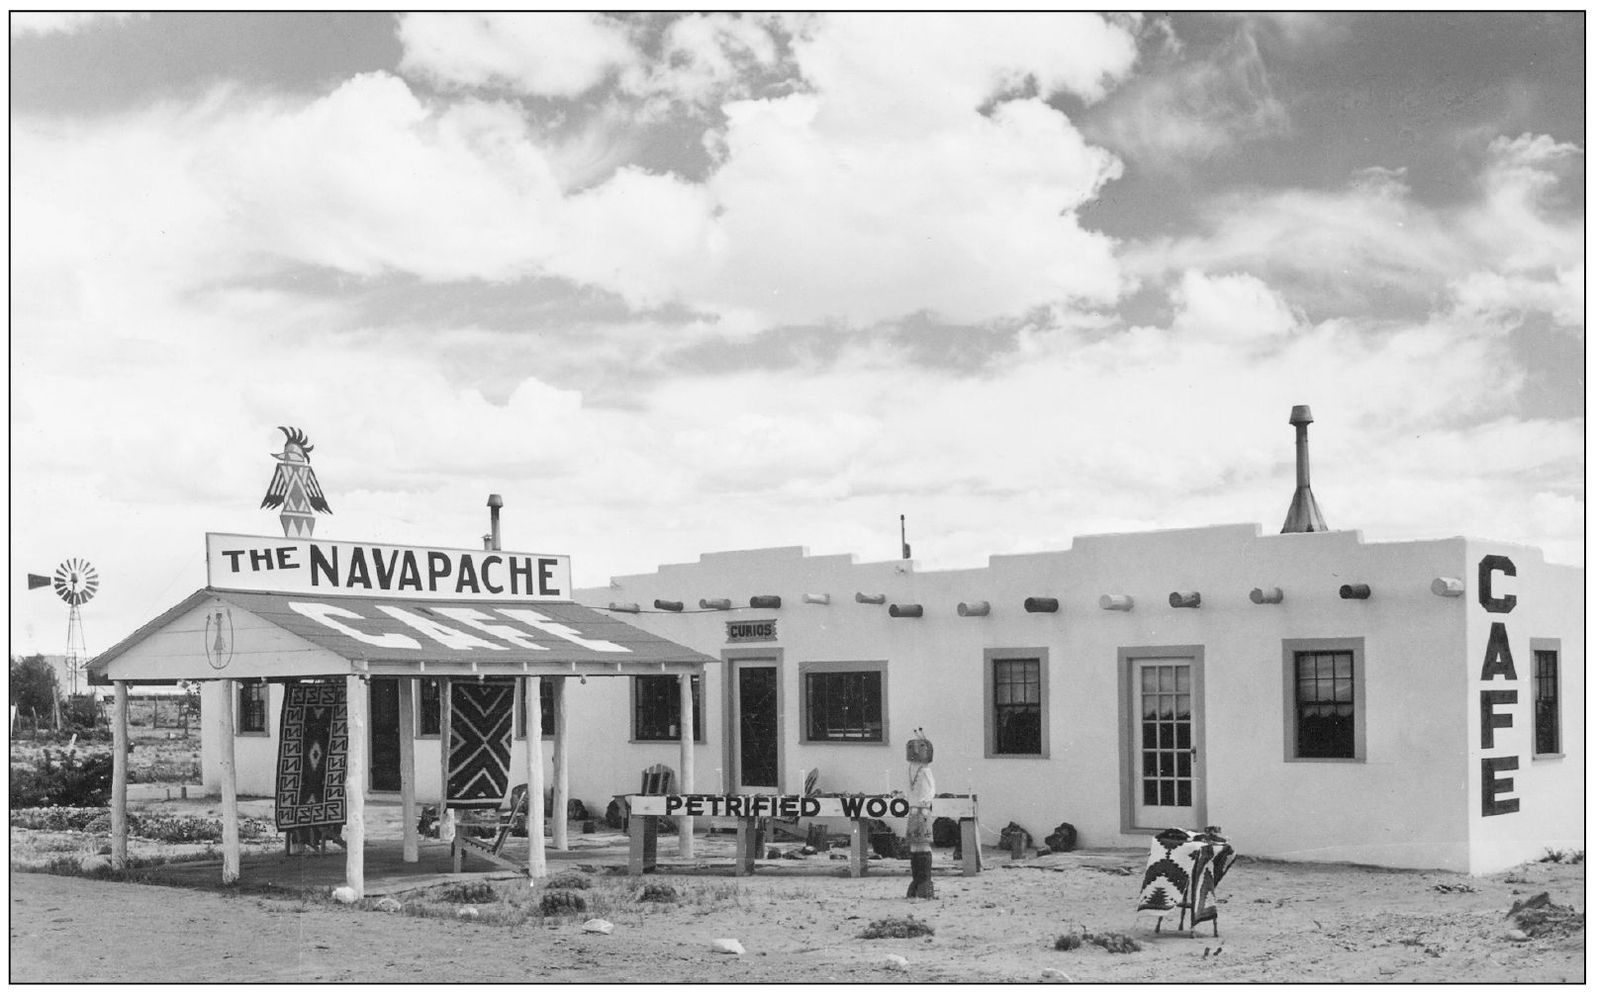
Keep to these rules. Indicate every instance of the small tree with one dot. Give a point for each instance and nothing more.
(190, 708)
(33, 685)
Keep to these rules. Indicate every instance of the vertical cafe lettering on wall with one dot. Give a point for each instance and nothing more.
(1498, 663)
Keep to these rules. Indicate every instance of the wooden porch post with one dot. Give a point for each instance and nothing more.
(230, 783)
(557, 818)
(685, 724)
(119, 778)
(534, 695)
(445, 739)
(356, 708)
(407, 758)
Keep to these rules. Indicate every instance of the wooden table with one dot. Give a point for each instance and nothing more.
(747, 810)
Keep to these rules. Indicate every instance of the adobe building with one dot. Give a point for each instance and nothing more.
(1317, 696)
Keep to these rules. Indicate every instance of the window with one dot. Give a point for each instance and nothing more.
(657, 707)
(428, 692)
(843, 703)
(1015, 695)
(252, 708)
(547, 712)
(1325, 699)
(1545, 700)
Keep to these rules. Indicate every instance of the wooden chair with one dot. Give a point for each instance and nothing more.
(489, 848)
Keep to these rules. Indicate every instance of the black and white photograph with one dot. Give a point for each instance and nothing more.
(966, 497)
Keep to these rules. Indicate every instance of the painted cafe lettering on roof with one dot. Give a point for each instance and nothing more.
(319, 566)
(478, 630)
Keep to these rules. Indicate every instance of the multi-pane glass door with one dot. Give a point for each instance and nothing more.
(1165, 785)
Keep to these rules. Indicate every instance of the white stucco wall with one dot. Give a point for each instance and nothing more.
(1549, 789)
(1404, 804)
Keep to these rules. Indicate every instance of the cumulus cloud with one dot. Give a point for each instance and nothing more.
(1185, 108)
(551, 54)
(1358, 250)
(60, 22)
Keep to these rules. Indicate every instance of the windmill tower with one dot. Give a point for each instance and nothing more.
(75, 582)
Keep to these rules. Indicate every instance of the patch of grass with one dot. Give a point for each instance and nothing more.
(1553, 856)
(896, 928)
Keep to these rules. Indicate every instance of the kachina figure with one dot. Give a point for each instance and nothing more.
(294, 486)
(918, 825)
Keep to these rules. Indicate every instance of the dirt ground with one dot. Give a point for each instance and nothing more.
(799, 922)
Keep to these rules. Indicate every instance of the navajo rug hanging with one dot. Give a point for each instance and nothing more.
(312, 756)
(1182, 873)
(479, 742)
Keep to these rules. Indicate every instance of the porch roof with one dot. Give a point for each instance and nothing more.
(217, 633)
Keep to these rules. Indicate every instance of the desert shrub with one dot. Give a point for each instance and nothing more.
(1115, 943)
(569, 881)
(60, 819)
(656, 891)
(554, 903)
(67, 778)
(1553, 856)
(468, 893)
(897, 928)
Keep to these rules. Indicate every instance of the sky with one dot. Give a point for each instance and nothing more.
(674, 284)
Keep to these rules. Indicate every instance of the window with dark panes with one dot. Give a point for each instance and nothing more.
(1324, 697)
(428, 693)
(1017, 707)
(546, 712)
(252, 706)
(657, 709)
(1545, 715)
(843, 706)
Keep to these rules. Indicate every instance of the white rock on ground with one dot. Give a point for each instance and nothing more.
(598, 926)
(1055, 974)
(896, 962)
(344, 894)
(726, 946)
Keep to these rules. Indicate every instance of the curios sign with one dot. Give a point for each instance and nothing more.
(764, 631)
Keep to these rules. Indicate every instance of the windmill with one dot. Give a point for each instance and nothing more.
(75, 582)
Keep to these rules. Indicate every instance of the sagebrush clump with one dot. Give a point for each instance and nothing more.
(569, 881)
(896, 928)
(554, 903)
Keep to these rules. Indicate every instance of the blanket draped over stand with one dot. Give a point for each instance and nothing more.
(1182, 873)
(480, 719)
(312, 756)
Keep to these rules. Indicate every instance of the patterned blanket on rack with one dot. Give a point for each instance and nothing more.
(480, 719)
(312, 756)
(1182, 873)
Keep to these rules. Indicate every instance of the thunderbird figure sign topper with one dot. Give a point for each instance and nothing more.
(294, 486)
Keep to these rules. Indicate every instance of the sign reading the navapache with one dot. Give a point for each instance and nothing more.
(320, 566)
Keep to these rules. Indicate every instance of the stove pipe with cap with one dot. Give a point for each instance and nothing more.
(1303, 515)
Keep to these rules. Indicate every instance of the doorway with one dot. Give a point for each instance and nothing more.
(1163, 736)
(756, 716)
(385, 719)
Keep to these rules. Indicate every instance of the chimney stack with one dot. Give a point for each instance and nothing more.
(1303, 515)
(495, 502)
